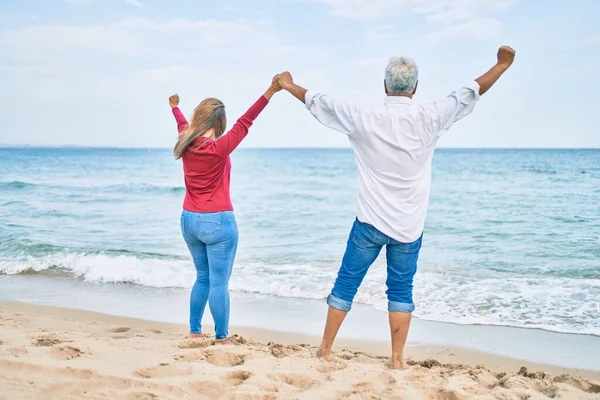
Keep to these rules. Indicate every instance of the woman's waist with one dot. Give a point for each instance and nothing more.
(207, 204)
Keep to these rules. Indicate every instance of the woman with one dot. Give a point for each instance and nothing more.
(207, 222)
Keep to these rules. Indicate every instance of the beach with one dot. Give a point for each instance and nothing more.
(508, 277)
(59, 353)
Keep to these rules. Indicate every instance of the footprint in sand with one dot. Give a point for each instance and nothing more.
(66, 352)
(190, 357)
(236, 378)
(164, 371)
(194, 344)
(279, 351)
(331, 365)
(208, 389)
(48, 341)
(121, 329)
(366, 390)
(18, 351)
(224, 358)
(300, 381)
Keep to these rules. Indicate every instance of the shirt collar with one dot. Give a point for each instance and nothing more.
(397, 100)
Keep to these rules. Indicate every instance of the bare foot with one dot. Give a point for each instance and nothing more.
(398, 364)
(223, 342)
(196, 336)
(324, 354)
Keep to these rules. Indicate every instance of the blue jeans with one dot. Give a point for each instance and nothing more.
(364, 244)
(212, 239)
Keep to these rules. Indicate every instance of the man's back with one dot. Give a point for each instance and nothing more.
(393, 145)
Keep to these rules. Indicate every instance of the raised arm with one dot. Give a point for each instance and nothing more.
(506, 56)
(229, 142)
(444, 113)
(333, 113)
(182, 123)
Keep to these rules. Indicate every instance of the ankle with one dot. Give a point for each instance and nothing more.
(398, 364)
(323, 353)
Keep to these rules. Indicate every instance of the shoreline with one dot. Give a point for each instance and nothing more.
(67, 353)
(306, 317)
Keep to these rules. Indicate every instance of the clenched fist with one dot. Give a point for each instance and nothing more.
(174, 100)
(506, 56)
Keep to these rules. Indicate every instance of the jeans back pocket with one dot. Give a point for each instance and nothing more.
(410, 248)
(208, 223)
(363, 235)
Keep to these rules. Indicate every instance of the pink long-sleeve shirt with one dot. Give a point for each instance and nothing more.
(207, 169)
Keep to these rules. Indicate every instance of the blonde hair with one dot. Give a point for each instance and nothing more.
(208, 115)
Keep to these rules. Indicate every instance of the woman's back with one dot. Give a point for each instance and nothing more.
(207, 166)
(207, 179)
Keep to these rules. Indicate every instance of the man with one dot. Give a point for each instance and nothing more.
(393, 145)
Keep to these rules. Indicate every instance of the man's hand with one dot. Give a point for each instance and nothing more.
(506, 56)
(174, 100)
(285, 80)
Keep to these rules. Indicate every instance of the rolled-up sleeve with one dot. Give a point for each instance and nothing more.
(460, 103)
(333, 113)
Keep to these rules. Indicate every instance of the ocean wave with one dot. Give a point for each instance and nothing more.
(550, 303)
(15, 185)
(541, 171)
(13, 203)
(114, 188)
(142, 188)
(107, 268)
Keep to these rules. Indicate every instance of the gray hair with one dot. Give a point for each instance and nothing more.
(401, 75)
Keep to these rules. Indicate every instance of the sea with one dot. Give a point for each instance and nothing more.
(512, 237)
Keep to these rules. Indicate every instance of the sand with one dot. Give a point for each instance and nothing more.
(55, 353)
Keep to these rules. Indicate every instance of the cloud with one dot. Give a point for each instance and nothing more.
(382, 31)
(434, 10)
(480, 28)
(454, 11)
(594, 39)
(134, 3)
(452, 18)
(135, 37)
(114, 76)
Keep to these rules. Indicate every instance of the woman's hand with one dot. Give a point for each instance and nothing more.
(174, 100)
(274, 88)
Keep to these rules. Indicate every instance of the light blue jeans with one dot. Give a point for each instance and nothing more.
(364, 244)
(212, 239)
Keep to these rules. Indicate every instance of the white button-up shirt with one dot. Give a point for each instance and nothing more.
(393, 145)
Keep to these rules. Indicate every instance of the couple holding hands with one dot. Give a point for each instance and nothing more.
(393, 144)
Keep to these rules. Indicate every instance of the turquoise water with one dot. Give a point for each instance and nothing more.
(512, 237)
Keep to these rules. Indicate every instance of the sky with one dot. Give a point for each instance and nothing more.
(99, 72)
